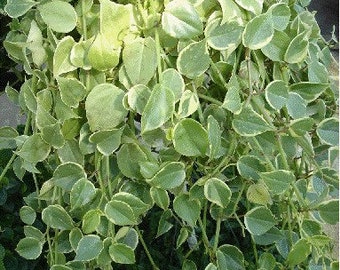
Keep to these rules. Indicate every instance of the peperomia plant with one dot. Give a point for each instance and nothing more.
(177, 134)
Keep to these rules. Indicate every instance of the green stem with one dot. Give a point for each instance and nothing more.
(241, 225)
(107, 167)
(200, 112)
(204, 235)
(282, 152)
(219, 74)
(83, 18)
(211, 99)
(255, 250)
(159, 58)
(217, 232)
(37, 189)
(154, 266)
(263, 153)
(49, 245)
(8, 165)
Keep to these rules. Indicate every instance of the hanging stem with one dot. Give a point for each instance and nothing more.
(211, 99)
(218, 230)
(159, 58)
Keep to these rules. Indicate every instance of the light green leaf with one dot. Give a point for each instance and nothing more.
(280, 15)
(214, 136)
(111, 111)
(299, 252)
(188, 104)
(72, 91)
(232, 99)
(193, 60)
(328, 131)
(61, 56)
(140, 60)
(296, 106)
(120, 213)
(174, 81)
(60, 267)
(31, 231)
(309, 91)
(223, 36)
(7, 138)
(67, 174)
(15, 8)
(122, 254)
(230, 258)
(250, 167)
(27, 214)
(89, 247)
(74, 236)
(70, 152)
(137, 205)
(160, 197)
(250, 123)
(275, 50)
(267, 261)
(82, 193)
(127, 236)
(78, 54)
(258, 193)
(164, 225)
(276, 94)
(216, 191)
(297, 49)
(29, 248)
(137, 97)
(181, 20)
(278, 181)
(210, 266)
(52, 135)
(34, 149)
(170, 176)
(56, 217)
(259, 220)
(329, 211)
(135, 155)
(35, 44)
(186, 209)
(258, 32)
(317, 72)
(190, 138)
(102, 55)
(159, 108)
(230, 11)
(60, 16)
(300, 127)
(107, 141)
(91, 221)
(270, 237)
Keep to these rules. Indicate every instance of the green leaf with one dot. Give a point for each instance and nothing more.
(35, 44)
(299, 252)
(186, 209)
(230, 11)
(174, 81)
(29, 248)
(164, 225)
(190, 138)
(137, 97)
(277, 94)
(232, 99)
(59, 16)
(122, 254)
(72, 91)
(259, 194)
(181, 20)
(193, 60)
(67, 174)
(55, 216)
(182, 237)
(275, 50)
(82, 193)
(111, 111)
(189, 265)
(296, 106)
(300, 127)
(258, 32)
(15, 8)
(170, 176)
(210, 266)
(250, 123)
(27, 214)
(329, 211)
(60, 267)
(140, 60)
(309, 91)
(328, 131)
(34, 149)
(120, 213)
(136, 204)
(102, 55)
(74, 236)
(214, 136)
(70, 152)
(89, 247)
(31, 231)
(188, 104)
(230, 258)
(127, 236)
(259, 220)
(159, 108)
(250, 167)
(91, 221)
(107, 141)
(267, 261)
(61, 56)
(223, 36)
(52, 135)
(280, 16)
(7, 138)
(297, 49)
(135, 155)
(216, 191)
(270, 237)
(278, 181)
(160, 197)
(317, 72)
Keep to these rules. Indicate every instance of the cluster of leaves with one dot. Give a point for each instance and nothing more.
(174, 134)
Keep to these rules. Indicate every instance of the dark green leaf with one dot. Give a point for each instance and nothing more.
(259, 220)
(186, 209)
(55, 216)
(29, 248)
(230, 258)
(89, 247)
